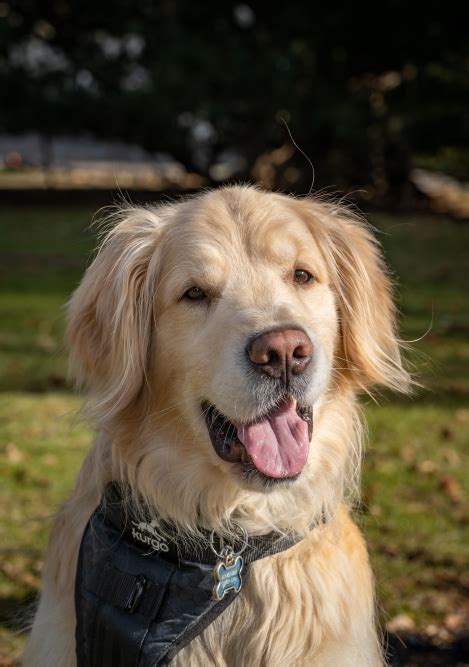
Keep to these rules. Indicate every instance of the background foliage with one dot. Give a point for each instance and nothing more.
(369, 90)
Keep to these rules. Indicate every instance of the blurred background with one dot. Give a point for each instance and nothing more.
(153, 99)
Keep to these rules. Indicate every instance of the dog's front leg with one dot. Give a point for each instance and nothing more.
(52, 638)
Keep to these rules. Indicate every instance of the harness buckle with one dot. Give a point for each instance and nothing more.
(137, 593)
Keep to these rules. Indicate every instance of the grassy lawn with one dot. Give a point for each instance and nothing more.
(415, 489)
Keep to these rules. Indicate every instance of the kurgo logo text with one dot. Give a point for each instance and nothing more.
(147, 534)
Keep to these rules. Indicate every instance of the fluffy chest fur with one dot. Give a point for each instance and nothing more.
(306, 606)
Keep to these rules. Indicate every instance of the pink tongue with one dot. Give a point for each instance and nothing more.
(278, 444)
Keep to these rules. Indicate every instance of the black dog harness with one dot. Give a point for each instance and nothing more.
(142, 593)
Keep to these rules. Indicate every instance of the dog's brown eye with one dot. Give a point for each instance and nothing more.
(302, 277)
(195, 294)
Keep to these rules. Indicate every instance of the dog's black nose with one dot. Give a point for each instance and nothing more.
(281, 352)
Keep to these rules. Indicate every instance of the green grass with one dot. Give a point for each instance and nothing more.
(415, 486)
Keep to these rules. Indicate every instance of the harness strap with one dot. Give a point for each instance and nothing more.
(166, 542)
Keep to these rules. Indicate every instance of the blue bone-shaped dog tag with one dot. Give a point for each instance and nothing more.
(227, 574)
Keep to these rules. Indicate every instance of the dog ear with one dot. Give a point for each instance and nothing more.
(110, 314)
(370, 346)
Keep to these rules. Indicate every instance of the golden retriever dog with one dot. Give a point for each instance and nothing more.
(263, 309)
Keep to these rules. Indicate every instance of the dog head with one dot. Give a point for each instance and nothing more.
(221, 327)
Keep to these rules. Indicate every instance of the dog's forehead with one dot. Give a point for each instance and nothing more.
(239, 222)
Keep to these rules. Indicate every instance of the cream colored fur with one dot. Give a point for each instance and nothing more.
(148, 359)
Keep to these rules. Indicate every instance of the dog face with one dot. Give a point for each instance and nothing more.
(226, 321)
(246, 327)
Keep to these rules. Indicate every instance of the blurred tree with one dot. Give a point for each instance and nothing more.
(363, 88)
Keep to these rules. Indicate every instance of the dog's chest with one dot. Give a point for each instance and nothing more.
(275, 611)
(291, 606)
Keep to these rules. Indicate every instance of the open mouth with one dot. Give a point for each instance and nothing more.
(274, 446)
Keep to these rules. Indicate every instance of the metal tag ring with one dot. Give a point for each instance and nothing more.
(228, 550)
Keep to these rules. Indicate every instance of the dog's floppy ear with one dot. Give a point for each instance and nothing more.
(370, 347)
(110, 313)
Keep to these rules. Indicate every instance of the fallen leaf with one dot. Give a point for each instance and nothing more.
(451, 487)
(401, 623)
(427, 467)
(462, 415)
(5, 661)
(456, 621)
(408, 454)
(13, 454)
